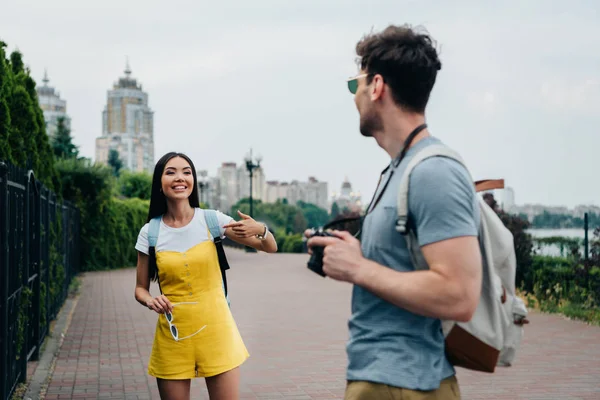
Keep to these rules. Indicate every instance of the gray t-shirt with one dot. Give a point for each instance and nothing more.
(388, 344)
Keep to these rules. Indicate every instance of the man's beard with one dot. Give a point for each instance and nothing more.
(370, 122)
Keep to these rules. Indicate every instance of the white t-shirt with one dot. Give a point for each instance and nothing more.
(184, 238)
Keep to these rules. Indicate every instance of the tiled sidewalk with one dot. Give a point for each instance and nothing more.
(294, 324)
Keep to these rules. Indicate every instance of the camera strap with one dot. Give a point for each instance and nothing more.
(394, 164)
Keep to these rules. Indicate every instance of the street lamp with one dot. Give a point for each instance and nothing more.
(251, 166)
(202, 184)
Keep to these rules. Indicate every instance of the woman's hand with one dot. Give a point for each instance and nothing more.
(247, 227)
(160, 304)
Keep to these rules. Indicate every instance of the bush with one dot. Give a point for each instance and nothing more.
(293, 244)
(522, 241)
(135, 185)
(560, 286)
(565, 245)
(118, 235)
(109, 226)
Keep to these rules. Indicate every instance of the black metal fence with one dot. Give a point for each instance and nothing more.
(39, 242)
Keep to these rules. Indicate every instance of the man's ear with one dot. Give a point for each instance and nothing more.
(377, 87)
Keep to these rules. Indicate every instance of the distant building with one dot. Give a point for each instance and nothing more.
(312, 191)
(579, 211)
(127, 126)
(258, 183)
(228, 187)
(347, 198)
(505, 198)
(232, 183)
(52, 105)
(531, 210)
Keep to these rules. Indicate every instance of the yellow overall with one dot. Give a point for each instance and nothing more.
(192, 282)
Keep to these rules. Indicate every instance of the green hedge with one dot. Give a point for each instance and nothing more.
(292, 244)
(560, 285)
(565, 245)
(109, 226)
(112, 244)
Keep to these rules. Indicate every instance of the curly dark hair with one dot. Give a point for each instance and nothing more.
(407, 61)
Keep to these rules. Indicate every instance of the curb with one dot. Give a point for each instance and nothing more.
(36, 388)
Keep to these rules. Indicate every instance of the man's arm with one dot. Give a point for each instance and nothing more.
(443, 210)
(445, 214)
(448, 290)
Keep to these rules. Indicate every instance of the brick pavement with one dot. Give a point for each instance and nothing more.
(294, 325)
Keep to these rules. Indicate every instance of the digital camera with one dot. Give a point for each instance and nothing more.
(315, 263)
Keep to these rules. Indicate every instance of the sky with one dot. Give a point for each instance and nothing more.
(518, 94)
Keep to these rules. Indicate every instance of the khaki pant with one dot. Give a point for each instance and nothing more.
(359, 390)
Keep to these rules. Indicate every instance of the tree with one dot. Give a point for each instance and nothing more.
(5, 153)
(45, 165)
(522, 241)
(115, 162)
(299, 224)
(23, 128)
(315, 216)
(135, 184)
(23, 141)
(16, 61)
(62, 142)
(335, 210)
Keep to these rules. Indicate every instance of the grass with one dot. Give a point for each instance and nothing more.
(565, 307)
(75, 286)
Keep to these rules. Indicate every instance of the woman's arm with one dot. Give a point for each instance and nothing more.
(159, 304)
(245, 231)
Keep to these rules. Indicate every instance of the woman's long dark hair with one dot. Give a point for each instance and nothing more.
(158, 201)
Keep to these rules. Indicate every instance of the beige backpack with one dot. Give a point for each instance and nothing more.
(494, 334)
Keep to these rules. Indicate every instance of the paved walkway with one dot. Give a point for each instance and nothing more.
(294, 325)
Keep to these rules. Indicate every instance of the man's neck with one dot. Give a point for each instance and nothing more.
(396, 130)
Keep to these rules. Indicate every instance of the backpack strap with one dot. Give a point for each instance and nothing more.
(153, 228)
(436, 150)
(215, 231)
(489, 184)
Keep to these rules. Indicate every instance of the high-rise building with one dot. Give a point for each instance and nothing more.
(127, 126)
(52, 105)
(227, 175)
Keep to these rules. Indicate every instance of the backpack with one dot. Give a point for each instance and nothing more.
(210, 216)
(494, 333)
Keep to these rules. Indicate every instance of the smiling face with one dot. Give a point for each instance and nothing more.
(177, 180)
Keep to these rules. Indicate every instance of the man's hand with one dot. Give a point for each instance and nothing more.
(342, 256)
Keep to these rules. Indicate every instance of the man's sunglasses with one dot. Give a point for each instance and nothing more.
(353, 83)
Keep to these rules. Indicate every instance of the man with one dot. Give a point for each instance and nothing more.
(396, 344)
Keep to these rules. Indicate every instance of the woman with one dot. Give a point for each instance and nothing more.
(205, 341)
